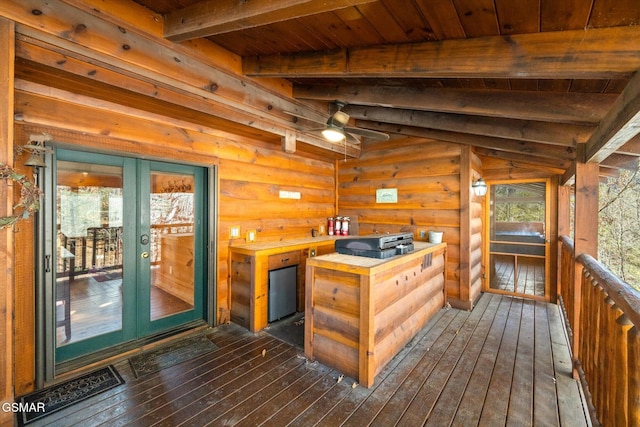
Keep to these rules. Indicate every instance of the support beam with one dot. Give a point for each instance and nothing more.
(621, 124)
(586, 234)
(212, 17)
(539, 154)
(7, 59)
(621, 161)
(465, 226)
(128, 58)
(632, 147)
(576, 108)
(601, 53)
(289, 142)
(526, 130)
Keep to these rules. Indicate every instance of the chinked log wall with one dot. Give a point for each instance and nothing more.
(430, 177)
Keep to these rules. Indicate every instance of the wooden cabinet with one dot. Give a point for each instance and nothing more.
(250, 265)
(361, 311)
(176, 268)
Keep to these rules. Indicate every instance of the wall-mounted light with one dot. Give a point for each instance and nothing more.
(479, 187)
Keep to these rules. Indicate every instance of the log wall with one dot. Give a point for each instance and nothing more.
(7, 258)
(251, 174)
(427, 175)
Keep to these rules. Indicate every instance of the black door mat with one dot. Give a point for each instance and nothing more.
(170, 355)
(290, 330)
(44, 402)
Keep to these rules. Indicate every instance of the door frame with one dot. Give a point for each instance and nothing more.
(148, 326)
(46, 368)
(549, 227)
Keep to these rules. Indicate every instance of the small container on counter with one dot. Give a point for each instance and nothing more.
(337, 230)
(330, 226)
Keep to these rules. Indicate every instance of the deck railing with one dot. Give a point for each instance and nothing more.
(604, 315)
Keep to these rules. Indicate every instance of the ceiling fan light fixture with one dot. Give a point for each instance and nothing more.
(333, 134)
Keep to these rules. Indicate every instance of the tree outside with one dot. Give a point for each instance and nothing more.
(619, 226)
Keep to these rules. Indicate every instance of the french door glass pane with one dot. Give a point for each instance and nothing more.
(88, 297)
(172, 243)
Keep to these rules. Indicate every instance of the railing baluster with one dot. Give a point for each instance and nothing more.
(607, 334)
(633, 390)
(620, 397)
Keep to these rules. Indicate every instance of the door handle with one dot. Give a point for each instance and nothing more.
(144, 255)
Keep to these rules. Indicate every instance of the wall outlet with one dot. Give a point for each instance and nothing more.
(234, 232)
(251, 236)
(422, 234)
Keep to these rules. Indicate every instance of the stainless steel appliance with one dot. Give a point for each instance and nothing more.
(282, 292)
(376, 245)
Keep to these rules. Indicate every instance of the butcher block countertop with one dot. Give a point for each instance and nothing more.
(268, 248)
(369, 266)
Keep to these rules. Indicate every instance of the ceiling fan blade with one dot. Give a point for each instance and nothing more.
(367, 133)
(352, 139)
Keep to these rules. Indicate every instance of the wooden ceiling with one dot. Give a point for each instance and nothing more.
(525, 80)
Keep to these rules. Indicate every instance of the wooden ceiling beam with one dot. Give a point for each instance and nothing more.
(631, 147)
(124, 58)
(621, 161)
(213, 17)
(573, 108)
(550, 155)
(578, 54)
(621, 124)
(521, 161)
(526, 130)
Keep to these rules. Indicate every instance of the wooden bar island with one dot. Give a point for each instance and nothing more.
(361, 311)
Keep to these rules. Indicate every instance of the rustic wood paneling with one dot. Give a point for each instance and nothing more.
(426, 174)
(251, 172)
(7, 260)
(364, 310)
(24, 310)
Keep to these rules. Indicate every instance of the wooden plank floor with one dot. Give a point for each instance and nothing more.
(504, 363)
(96, 307)
(530, 278)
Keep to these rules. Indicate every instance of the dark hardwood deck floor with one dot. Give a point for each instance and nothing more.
(504, 363)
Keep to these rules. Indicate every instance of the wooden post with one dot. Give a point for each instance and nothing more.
(7, 58)
(465, 226)
(564, 227)
(586, 233)
(289, 141)
(366, 343)
(633, 355)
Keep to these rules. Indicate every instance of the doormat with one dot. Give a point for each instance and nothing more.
(44, 402)
(156, 360)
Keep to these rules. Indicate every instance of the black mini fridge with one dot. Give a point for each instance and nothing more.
(282, 292)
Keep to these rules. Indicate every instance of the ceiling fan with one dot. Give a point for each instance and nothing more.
(336, 129)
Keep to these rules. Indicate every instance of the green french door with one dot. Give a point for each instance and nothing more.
(129, 249)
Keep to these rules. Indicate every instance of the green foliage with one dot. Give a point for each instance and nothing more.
(619, 226)
(519, 203)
